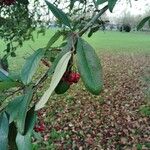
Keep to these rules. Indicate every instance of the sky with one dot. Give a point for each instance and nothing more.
(136, 7)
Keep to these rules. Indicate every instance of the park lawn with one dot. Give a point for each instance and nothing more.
(111, 41)
(107, 41)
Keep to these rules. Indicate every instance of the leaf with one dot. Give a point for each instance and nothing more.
(13, 108)
(111, 4)
(12, 136)
(23, 142)
(23, 109)
(25, 2)
(53, 39)
(142, 23)
(30, 121)
(65, 49)
(101, 2)
(149, 23)
(4, 127)
(5, 85)
(89, 67)
(59, 14)
(59, 72)
(72, 3)
(31, 66)
(3, 75)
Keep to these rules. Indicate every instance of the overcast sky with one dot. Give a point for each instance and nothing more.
(136, 7)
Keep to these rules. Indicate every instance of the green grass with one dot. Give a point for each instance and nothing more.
(108, 41)
(134, 42)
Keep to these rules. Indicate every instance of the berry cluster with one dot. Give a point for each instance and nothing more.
(71, 77)
(7, 2)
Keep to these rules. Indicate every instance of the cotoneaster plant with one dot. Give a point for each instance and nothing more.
(19, 94)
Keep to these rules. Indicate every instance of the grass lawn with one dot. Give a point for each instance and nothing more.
(108, 41)
(121, 42)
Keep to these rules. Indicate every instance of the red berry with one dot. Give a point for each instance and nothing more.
(77, 77)
(71, 77)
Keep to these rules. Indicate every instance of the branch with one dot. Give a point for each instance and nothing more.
(93, 20)
(42, 79)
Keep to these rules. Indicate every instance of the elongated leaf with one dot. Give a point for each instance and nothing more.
(13, 108)
(111, 4)
(59, 72)
(23, 142)
(31, 66)
(12, 136)
(4, 127)
(101, 2)
(59, 14)
(149, 23)
(23, 109)
(89, 67)
(72, 3)
(142, 23)
(30, 121)
(8, 84)
(65, 49)
(53, 39)
(3, 75)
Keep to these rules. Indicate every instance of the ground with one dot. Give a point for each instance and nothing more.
(78, 120)
(117, 119)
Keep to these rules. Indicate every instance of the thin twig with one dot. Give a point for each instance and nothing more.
(93, 20)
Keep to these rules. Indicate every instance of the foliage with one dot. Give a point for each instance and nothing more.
(125, 27)
(21, 101)
(20, 98)
(142, 22)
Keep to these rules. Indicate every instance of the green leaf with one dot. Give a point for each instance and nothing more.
(13, 108)
(59, 72)
(111, 4)
(30, 121)
(5, 85)
(25, 2)
(65, 49)
(72, 3)
(4, 127)
(101, 2)
(89, 67)
(23, 109)
(23, 142)
(31, 66)
(12, 136)
(142, 23)
(53, 39)
(59, 14)
(149, 23)
(3, 75)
